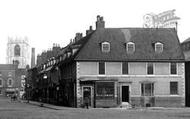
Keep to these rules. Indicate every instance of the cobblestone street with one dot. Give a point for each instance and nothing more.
(32, 110)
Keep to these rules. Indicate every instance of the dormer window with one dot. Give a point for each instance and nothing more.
(158, 47)
(105, 47)
(130, 47)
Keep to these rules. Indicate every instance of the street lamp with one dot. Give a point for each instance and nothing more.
(57, 88)
(27, 86)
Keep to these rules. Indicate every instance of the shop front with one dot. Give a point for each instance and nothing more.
(99, 93)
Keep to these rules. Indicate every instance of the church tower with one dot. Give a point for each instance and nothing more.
(18, 52)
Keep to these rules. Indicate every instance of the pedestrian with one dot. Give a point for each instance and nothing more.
(86, 102)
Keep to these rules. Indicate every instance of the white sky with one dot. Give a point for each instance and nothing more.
(45, 22)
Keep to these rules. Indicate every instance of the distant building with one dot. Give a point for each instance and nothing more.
(12, 79)
(46, 55)
(18, 51)
(185, 45)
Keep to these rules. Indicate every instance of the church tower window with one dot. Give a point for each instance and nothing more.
(17, 50)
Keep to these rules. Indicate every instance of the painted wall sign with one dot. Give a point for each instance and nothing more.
(165, 19)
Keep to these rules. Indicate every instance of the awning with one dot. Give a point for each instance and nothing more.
(88, 79)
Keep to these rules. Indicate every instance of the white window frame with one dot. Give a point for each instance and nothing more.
(102, 47)
(156, 47)
(153, 69)
(176, 69)
(127, 47)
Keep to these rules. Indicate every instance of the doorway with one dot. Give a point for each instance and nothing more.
(125, 93)
(87, 93)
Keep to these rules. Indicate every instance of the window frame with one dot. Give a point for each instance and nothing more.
(10, 79)
(100, 69)
(17, 50)
(176, 68)
(108, 87)
(127, 47)
(103, 48)
(147, 68)
(124, 65)
(143, 88)
(176, 88)
(157, 49)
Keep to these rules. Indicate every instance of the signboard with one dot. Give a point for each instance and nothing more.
(165, 19)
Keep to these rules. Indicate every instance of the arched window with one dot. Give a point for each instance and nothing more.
(10, 82)
(17, 50)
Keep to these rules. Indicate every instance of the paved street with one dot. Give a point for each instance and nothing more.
(23, 110)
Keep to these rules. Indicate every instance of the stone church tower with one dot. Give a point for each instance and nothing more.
(18, 52)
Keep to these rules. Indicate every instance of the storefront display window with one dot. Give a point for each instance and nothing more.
(105, 90)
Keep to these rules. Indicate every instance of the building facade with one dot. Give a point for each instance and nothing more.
(185, 46)
(113, 67)
(18, 51)
(12, 80)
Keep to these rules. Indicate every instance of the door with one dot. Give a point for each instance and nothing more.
(125, 93)
(87, 93)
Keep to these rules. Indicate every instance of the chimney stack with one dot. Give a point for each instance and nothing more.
(100, 22)
(33, 58)
(78, 36)
(89, 31)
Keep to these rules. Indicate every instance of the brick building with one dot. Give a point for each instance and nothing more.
(117, 66)
(11, 79)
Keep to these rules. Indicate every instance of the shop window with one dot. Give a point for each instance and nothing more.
(124, 67)
(147, 89)
(105, 90)
(173, 68)
(101, 67)
(173, 88)
(150, 68)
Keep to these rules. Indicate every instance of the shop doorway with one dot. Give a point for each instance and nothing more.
(87, 93)
(125, 93)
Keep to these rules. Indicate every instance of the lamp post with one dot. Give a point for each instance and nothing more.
(28, 92)
(57, 88)
(45, 80)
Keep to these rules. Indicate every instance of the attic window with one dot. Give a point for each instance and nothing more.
(130, 47)
(158, 47)
(105, 47)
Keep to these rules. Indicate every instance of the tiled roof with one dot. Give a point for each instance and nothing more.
(187, 40)
(144, 39)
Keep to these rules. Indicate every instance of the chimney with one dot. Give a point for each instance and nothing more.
(100, 22)
(89, 31)
(33, 58)
(78, 36)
